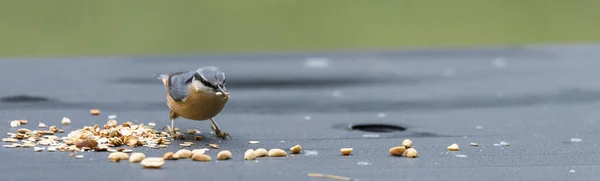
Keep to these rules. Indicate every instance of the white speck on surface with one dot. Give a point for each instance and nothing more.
(499, 62)
(311, 153)
(336, 93)
(307, 118)
(496, 144)
(503, 143)
(256, 161)
(461, 156)
(572, 170)
(576, 140)
(281, 141)
(253, 142)
(449, 72)
(151, 124)
(317, 62)
(15, 123)
(112, 116)
(478, 127)
(363, 163)
(370, 136)
(381, 115)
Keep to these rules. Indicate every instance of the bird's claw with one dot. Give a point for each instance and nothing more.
(219, 133)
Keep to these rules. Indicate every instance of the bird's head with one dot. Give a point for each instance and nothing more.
(210, 79)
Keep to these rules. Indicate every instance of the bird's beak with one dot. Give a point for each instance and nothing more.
(222, 91)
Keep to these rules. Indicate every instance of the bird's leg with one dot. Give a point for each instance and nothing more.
(217, 130)
(171, 129)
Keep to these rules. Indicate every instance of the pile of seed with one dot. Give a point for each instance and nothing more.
(97, 138)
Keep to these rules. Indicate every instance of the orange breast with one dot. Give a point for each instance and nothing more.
(197, 105)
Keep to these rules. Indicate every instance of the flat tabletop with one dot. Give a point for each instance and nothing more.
(541, 100)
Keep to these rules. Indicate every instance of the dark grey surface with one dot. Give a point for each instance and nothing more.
(535, 97)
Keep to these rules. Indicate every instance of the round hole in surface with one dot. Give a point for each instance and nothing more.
(377, 127)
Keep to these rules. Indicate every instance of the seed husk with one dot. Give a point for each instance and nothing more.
(412, 153)
(249, 154)
(152, 162)
(22, 121)
(215, 146)
(136, 157)
(397, 151)
(87, 143)
(10, 140)
(201, 157)
(23, 130)
(276, 152)
(296, 149)
(41, 125)
(453, 147)
(127, 151)
(198, 151)
(184, 153)
(79, 156)
(95, 112)
(260, 152)
(407, 143)
(65, 121)
(346, 151)
(117, 156)
(15, 123)
(38, 149)
(224, 155)
(253, 142)
(474, 144)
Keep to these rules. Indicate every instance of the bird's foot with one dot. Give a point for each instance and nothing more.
(219, 133)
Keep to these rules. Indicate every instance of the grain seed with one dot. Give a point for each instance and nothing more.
(453, 147)
(224, 155)
(253, 142)
(170, 156)
(346, 151)
(41, 125)
(22, 121)
(127, 151)
(407, 143)
(276, 152)
(474, 144)
(65, 121)
(95, 112)
(411, 153)
(215, 146)
(199, 151)
(136, 157)
(183, 153)
(117, 156)
(296, 149)
(260, 152)
(38, 149)
(201, 157)
(79, 156)
(15, 123)
(249, 154)
(152, 162)
(397, 151)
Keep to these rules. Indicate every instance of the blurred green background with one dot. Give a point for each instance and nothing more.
(121, 27)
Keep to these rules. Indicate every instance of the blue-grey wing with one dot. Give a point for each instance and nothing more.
(178, 84)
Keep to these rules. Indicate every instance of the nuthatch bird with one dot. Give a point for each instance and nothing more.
(196, 95)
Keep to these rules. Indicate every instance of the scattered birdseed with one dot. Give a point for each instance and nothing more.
(95, 112)
(370, 136)
(346, 151)
(10, 140)
(112, 116)
(152, 124)
(215, 146)
(201, 157)
(576, 140)
(572, 170)
(260, 152)
(397, 151)
(249, 154)
(253, 142)
(311, 153)
(276, 152)
(407, 143)
(185, 145)
(503, 143)
(65, 121)
(152, 162)
(79, 156)
(38, 149)
(9, 146)
(335, 177)
(127, 151)
(117, 156)
(474, 144)
(170, 156)
(296, 149)
(193, 131)
(22, 121)
(136, 157)
(15, 123)
(411, 153)
(41, 125)
(224, 155)
(51, 149)
(453, 147)
(183, 153)
(199, 151)
(363, 163)
(461, 156)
